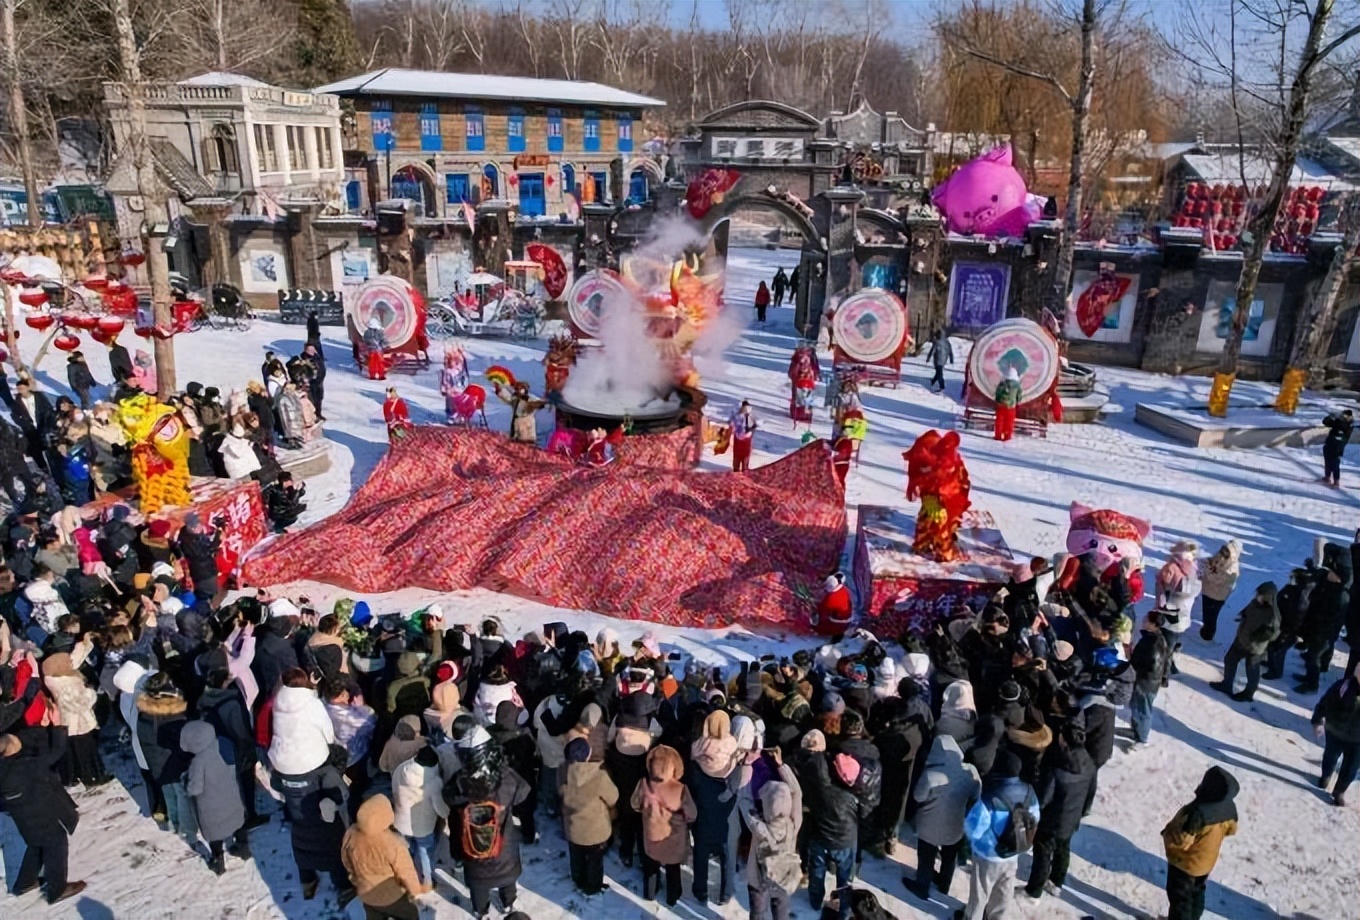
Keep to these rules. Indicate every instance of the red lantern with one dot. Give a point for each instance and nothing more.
(34, 297)
(132, 258)
(40, 321)
(98, 285)
(100, 336)
(13, 276)
(110, 325)
(67, 342)
(80, 320)
(161, 332)
(142, 332)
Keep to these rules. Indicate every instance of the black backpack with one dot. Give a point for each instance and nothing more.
(1018, 836)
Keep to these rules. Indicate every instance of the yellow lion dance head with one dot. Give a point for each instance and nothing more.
(160, 454)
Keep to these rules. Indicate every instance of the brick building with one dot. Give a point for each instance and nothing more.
(442, 139)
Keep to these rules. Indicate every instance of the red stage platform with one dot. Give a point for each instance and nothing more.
(900, 590)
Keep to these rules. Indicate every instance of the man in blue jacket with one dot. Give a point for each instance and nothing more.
(1000, 827)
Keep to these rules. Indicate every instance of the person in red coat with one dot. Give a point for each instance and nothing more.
(762, 301)
(836, 609)
(397, 416)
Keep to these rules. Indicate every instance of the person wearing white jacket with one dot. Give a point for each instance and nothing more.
(418, 804)
(130, 678)
(303, 732)
(48, 607)
(238, 454)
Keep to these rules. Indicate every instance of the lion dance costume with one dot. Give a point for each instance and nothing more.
(936, 475)
(160, 452)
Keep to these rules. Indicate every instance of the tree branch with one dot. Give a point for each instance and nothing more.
(1019, 71)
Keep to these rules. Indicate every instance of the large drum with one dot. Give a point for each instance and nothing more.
(591, 297)
(1014, 343)
(871, 327)
(397, 305)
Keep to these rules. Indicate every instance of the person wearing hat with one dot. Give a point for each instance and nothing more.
(42, 811)
(1193, 838)
(836, 610)
(397, 416)
(523, 428)
(742, 424)
(485, 777)
(589, 798)
(1149, 659)
(1007, 398)
(199, 548)
(1000, 826)
(161, 714)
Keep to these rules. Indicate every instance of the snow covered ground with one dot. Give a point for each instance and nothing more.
(1294, 856)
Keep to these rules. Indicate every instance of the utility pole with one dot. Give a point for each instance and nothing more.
(18, 112)
(155, 211)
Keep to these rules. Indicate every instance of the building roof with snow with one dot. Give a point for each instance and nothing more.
(1228, 168)
(393, 81)
(222, 78)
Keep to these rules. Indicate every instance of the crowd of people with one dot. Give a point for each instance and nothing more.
(390, 741)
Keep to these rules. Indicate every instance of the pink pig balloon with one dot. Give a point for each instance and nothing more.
(986, 196)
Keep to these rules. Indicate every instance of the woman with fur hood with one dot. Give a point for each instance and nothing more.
(75, 701)
(667, 809)
(1220, 577)
(773, 870)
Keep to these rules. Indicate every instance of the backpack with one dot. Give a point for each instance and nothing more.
(483, 836)
(780, 868)
(1018, 836)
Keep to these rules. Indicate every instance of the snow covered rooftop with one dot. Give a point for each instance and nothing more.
(1224, 168)
(221, 78)
(393, 81)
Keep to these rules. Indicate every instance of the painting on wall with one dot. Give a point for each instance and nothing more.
(446, 271)
(978, 293)
(352, 266)
(263, 270)
(1216, 321)
(1102, 306)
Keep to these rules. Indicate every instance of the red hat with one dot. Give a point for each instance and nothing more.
(158, 529)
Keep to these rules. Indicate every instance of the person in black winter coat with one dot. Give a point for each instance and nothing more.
(485, 777)
(199, 550)
(314, 804)
(161, 713)
(14, 468)
(868, 787)
(120, 362)
(832, 820)
(274, 652)
(1007, 712)
(1149, 660)
(316, 383)
(1339, 426)
(223, 707)
(521, 753)
(1326, 615)
(79, 377)
(37, 419)
(1293, 601)
(1069, 775)
(117, 545)
(40, 808)
(899, 732)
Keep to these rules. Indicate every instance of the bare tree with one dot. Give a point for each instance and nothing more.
(155, 212)
(1076, 93)
(18, 111)
(568, 22)
(1262, 38)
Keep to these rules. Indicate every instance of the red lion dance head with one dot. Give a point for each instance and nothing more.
(936, 475)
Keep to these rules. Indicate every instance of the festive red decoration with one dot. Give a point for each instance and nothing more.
(110, 325)
(40, 321)
(548, 181)
(132, 258)
(162, 332)
(34, 297)
(98, 285)
(67, 342)
(937, 476)
(142, 332)
(100, 336)
(514, 179)
(84, 321)
(13, 276)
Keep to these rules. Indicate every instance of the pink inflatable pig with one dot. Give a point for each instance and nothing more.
(987, 196)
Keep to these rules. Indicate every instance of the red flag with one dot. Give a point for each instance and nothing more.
(470, 215)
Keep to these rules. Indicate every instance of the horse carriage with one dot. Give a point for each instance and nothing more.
(487, 305)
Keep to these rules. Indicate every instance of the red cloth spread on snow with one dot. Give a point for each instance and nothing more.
(455, 508)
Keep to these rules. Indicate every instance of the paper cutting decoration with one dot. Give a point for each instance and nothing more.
(1099, 303)
(1019, 343)
(554, 269)
(870, 326)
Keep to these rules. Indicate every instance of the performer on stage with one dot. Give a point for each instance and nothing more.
(375, 340)
(743, 425)
(397, 416)
(600, 449)
(522, 408)
(843, 451)
(1007, 398)
(803, 377)
(453, 379)
(836, 610)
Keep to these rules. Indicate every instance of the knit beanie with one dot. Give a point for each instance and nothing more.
(577, 751)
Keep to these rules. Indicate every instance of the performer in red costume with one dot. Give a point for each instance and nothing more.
(803, 376)
(936, 475)
(836, 609)
(397, 416)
